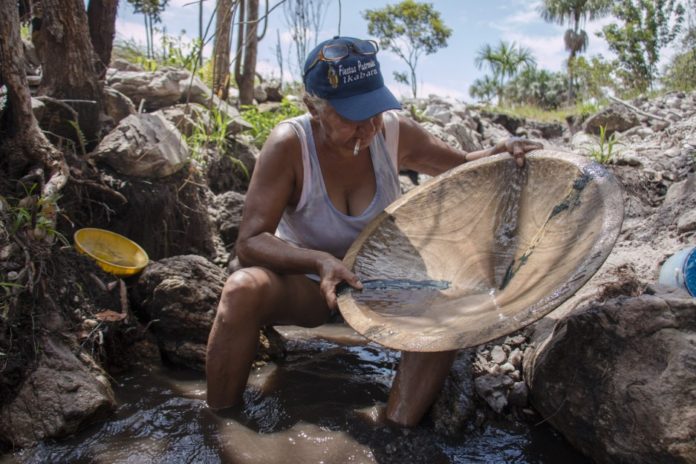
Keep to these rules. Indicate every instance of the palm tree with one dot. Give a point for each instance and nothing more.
(504, 62)
(573, 11)
(484, 89)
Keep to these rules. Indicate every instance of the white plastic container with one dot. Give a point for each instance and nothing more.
(680, 271)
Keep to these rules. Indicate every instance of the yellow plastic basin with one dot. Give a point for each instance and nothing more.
(113, 252)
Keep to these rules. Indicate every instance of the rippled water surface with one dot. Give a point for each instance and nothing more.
(311, 408)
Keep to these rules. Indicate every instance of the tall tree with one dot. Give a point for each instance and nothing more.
(69, 74)
(23, 146)
(408, 29)
(574, 12)
(680, 72)
(247, 47)
(152, 11)
(222, 45)
(504, 61)
(304, 18)
(102, 28)
(644, 28)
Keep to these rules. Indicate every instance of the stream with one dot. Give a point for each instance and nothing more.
(315, 406)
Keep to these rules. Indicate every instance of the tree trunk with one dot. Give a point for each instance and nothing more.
(102, 28)
(247, 44)
(22, 143)
(68, 71)
(221, 47)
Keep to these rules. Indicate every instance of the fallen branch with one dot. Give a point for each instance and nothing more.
(639, 111)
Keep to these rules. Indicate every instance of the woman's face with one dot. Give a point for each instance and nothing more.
(344, 134)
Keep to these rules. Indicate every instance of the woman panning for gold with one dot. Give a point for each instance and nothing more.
(319, 180)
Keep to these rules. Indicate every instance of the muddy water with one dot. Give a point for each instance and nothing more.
(313, 407)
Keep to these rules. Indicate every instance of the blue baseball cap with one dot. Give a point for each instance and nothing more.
(353, 85)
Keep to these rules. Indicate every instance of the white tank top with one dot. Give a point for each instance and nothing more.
(315, 223)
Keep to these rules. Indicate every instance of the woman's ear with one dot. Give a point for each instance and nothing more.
(311, 107)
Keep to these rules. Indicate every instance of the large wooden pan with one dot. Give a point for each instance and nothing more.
(481, 251)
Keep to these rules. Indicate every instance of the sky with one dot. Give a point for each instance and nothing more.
(448, 72)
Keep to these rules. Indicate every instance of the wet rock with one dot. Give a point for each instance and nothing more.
(62, 394)
(518, 395)
(181, 295)
(455, 406)
(616, 378)
(493, 389)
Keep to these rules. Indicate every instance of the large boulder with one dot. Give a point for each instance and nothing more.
(144, 145)
(65, 391)
(150, 90)
(180, 296)
(617, 377)
(614, 118)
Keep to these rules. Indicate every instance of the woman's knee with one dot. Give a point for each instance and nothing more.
(245, 295)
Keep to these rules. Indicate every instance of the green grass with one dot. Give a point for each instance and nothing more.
(264, 121)
(539, 114)
(604, 152)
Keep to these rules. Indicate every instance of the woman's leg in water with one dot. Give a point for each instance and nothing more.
(419, 379)
(252, 298)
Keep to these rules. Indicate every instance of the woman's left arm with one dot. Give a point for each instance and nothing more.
(423, 152)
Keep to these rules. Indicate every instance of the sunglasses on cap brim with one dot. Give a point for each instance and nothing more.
(336, 52)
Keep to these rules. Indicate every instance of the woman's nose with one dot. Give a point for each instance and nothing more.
(368, 126)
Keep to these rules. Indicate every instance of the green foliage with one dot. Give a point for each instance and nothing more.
(25, 31)
(593, 77)
(504, 61)
(264, 121)
(212, 133)
(681, 71)
(484, 89)
(174, 52)
(536, 87)
(604, 152)
(408, 29)
(573, 12)
(35, 215)
(643, 29)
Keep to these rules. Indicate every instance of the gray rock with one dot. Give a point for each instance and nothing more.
(182, 294)
(617, 377)
(519, 395)
(615, 118)
(117, 105)
(144, 145)
(493, 389)
(498, 355)
(455, 406)
(687, 222)
(66, 390)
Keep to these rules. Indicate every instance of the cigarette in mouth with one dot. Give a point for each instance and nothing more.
(357, 148)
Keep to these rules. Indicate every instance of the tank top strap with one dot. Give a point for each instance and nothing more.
(391, 136)
(301, 126)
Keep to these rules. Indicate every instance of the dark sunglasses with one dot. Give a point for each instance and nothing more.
(336, 52)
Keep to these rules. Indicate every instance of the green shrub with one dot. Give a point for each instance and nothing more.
(604, 152)
(264, 121)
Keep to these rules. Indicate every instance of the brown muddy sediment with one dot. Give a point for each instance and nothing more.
(306, 409)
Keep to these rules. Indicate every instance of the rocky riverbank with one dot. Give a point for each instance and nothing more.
(609, 368)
